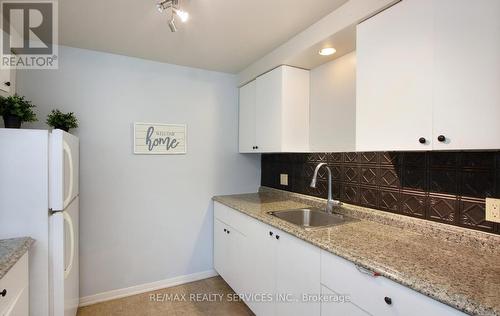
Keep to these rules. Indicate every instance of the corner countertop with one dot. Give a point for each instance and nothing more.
(11, 250)
(452, 265)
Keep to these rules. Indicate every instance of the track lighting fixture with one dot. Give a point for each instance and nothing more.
(175, 10)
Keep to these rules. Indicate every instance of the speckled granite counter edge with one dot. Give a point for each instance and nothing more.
(455, 301)
(16, 248)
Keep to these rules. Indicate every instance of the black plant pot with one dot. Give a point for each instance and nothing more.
(64, 128)
(12, 121)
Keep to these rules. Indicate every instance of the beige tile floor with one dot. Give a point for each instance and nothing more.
(143, 305)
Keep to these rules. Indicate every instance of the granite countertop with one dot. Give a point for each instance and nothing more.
(455, 266)
(11, 250)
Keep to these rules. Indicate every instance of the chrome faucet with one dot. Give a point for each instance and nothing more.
(331, 203)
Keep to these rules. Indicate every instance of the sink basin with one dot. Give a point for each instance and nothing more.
(309, 217)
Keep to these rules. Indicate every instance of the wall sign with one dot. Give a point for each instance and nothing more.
(159, 139)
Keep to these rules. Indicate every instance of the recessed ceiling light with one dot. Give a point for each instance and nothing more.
(327, 51)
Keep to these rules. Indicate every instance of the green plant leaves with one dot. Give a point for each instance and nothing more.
(58, 119)
(17, 105)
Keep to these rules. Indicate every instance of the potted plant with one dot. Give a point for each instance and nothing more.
(60, 120)
(15, 110)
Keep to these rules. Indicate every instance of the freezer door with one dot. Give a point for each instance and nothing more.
(64, 260)
(63, 169)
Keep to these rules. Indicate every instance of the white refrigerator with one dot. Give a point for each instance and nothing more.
(39, 197)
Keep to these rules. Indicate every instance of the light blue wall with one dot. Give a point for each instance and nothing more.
(144, 218)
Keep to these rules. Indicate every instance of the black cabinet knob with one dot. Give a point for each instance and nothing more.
(421, 140)
(228, 231)
(441, 138)
(7, 83)
(277, 236)
(256, 147)
(3, 293)
(253, 147)
(271, 233)
(225, 230)
(388, 300)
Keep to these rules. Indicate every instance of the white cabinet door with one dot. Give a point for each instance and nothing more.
(231, 257)
(247, 122)
(237, 260)
(220, 249)
(297, 272)
(261, 272)
(394, 78)
(467, 80)
(295, 110)
(269, 111)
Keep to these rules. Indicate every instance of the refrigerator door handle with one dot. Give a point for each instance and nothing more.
(68, 219)
(67, 150)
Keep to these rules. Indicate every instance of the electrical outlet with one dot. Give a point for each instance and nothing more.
(493, 210)
(284, 179)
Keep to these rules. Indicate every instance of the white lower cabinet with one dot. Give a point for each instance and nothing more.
(14, 290)
(279, 274)
(272, 269)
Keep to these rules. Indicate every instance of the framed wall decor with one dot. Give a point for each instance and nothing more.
(160, 139)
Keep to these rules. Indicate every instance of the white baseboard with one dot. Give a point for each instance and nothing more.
(142, 288)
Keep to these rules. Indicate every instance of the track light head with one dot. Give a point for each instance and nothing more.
(172, 26)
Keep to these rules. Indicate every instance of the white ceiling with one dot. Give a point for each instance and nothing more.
(221, 35)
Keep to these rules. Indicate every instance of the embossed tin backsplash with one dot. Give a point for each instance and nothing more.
(447, 187)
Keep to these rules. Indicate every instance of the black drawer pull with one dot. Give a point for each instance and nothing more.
(441, 138)
(388, 300)
(277, 236)
(7, 83)
(3, 293)
(421, 140)
(271, 233)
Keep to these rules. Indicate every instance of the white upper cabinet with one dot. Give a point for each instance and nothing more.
(274, 112)
(247, 118)
(393, 86)
(467, 74)
(428, 73)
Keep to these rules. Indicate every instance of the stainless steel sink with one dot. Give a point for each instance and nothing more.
(310, 217)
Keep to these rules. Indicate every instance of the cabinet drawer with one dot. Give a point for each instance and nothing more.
(233, 218)
(371, 292)
(15, 282)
